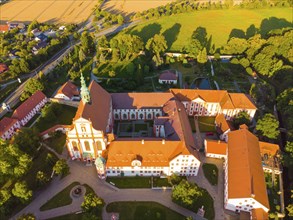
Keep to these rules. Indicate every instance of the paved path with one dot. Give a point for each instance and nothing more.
(83, 174)
(217, 192)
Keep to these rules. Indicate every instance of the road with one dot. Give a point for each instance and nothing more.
(13, 98)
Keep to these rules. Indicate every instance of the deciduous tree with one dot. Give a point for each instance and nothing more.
(268, 126)
(21, 191)
(61, 167)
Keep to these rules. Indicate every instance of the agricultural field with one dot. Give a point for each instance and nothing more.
(219, 25)
(51, 11)
(129, 7)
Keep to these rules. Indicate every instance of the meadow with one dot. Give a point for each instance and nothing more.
(51, 11)
(220, 25)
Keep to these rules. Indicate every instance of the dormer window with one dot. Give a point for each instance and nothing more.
(136, 163)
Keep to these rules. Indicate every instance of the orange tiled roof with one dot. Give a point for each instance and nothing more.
(268, 148)
(152, 151)
(28, 105)
(3, 27)
(223, 124)
(245, 172)
(139, 100)
(68, 89)
(98, 110)
(216, 147)
(3, 67)
(226, 100)
(259, 214)
(241, 100)
(6, 123)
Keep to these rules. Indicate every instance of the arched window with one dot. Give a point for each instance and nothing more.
(124, 116)
(149, 116)
(141, 116)
(87, 146)
(99, 145)
(132, 116)
(158, 115)
(74, 144)
(116, 116)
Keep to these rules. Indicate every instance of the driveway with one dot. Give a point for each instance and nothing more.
(88, 175)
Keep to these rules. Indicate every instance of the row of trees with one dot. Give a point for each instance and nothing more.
(182, 6)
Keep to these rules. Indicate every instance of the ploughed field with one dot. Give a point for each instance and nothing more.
(51, 11)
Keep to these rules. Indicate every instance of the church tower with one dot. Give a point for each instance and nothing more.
(84, 92)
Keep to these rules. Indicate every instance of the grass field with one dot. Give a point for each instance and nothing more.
(143, 211)
(219, 24)
(211, 173)
(51, 11)
(130, 182)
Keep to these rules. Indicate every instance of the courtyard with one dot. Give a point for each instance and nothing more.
(134, 129)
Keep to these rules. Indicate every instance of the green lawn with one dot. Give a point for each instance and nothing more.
(61, 199)
(64, 118)
(69, 217)
(143, 211)
(57, 143)
(88, 189)
(130, 182)
(161, 182)
(7, 90)
(218, 23)
(206, 124)
(211, 173)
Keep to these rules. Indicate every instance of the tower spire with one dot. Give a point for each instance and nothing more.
(84, 92)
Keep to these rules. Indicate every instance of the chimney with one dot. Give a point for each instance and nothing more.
(142, 141)
(163, 141)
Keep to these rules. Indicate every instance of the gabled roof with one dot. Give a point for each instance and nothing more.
(191, 94)
(241, 100)
(268, 148)
(28, 105)
(97, 111)
(4, 28)
(3, 67)
(257, 214)
(68, 89)
(168, 75)
(5, 124)
(216, 147)
(245, 172)
(152, 151)
(226, 100)
(222, 124)
(140, 100)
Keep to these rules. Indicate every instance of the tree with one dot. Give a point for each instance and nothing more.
(242, 118)
(186, 193)
(61, 167)
(235, 46)
(288, 154)
(21, 191)
(202, 56)
(81, 55)
(112, 73)
(42, 178)
(290, 206)
(175, 179)
(27, 216)
(157, 45)
(4, 195)
(120, 19)
(31, 87)
(92, 204)
(28, 140)
(268, 126)
(87, 43)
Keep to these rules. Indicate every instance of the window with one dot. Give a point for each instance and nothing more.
(74, 144)
(87, 146)
(132, 116)
(149, 116)
(157, 115)
(83, 129)
(132, 171)
(116, 116)
(141, 116)
(99, 145)
(124, 116)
